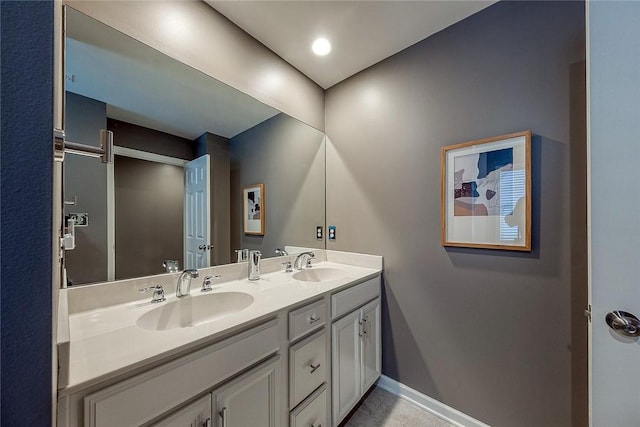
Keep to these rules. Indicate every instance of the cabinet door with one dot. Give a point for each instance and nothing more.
(346, 361)
(198, 414)
(252, 400)
(371, 344)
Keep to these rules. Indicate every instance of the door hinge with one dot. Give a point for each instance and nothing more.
(587, 313)
(58, 145)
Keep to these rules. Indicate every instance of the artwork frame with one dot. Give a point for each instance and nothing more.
(253, 211)
(485, 193)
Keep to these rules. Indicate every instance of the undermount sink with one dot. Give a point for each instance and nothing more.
(194, 310)
(319, 274)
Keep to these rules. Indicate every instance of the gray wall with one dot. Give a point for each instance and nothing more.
(150, 198)
(486, 332)
(149, 213)
(218, 148)
(150, 140)
(85, 179)
(288, 157)
(149, 201)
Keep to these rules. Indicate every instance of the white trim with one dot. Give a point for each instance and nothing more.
(589, 242)
(111, 223)
(145, 155)
(429, 404)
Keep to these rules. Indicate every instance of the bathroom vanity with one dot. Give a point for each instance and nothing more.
(296, 349)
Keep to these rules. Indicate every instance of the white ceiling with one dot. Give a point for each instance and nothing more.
(143, 86)
(362, 33)
(125, 74)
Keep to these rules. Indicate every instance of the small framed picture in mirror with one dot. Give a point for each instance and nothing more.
(486, 193)
(253, 209)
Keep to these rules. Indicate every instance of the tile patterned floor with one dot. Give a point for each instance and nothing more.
(383, 409)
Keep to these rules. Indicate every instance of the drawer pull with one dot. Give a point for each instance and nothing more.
(207, 422)
(313, 425)
(313, 319)
(314, 367)
(223, 416)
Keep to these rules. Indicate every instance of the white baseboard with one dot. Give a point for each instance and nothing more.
(429, 404)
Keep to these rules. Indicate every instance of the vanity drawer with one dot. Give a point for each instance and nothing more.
(306, 319)
(313, 412)
(346, 301)
(145, 396)
(307, 367)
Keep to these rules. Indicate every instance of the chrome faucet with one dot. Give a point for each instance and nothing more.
(186, 275)
(242, 255)
(171, 265)
(207, 284)
(254, 265)
(158, 293)
(300, 258)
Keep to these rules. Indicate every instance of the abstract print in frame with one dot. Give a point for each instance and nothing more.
(486, 193)
(253, 209)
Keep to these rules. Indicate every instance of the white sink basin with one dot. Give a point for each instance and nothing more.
(194, 310)
(319, 274)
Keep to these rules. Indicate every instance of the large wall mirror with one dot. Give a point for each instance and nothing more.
(188, 149)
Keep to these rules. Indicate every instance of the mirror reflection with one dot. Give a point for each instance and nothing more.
(186, 146)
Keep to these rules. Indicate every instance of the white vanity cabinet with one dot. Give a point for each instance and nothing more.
(197, 414)
(253, 399)
(152, 394)
(309, 368)
(371, 344)
(304, 363)
(355, 346)
(313, 412)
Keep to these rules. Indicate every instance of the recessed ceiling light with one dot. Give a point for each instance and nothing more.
(321, 46)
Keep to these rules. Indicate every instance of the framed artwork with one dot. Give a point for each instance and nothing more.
(253, 209)
(486, 193)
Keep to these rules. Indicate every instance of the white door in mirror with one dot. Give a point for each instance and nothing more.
(197, 213)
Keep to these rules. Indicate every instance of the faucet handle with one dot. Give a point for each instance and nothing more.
(207, 283)
(311, 256)
(287, 266)
(158, 293)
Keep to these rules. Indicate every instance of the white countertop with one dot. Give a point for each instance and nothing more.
(107, 342)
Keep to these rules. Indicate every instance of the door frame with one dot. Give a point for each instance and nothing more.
(111, 196)
(610, 34)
